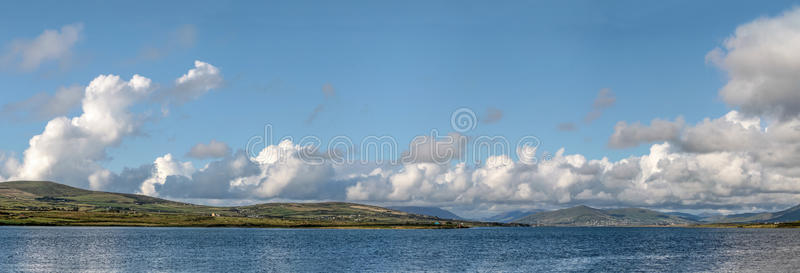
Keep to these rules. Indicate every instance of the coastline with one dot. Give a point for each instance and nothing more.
(81, 218)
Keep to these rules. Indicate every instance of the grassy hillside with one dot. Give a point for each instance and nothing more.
(48, 203)
(587, 216)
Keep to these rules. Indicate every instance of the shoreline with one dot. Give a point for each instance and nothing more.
(112, 219)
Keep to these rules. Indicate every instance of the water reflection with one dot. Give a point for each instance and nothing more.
(107, 249)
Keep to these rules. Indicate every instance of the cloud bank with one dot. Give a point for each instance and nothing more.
(744, 159)
(669, 176)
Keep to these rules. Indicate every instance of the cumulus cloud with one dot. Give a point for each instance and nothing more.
(214, 149)
(278, 171)
(631, 135)
(195, 83)
(165, 167)
(732, 132)
(605, 99)
(51, 45)
(44, 105)
(71, 150)
(8, 166)
(762, 63)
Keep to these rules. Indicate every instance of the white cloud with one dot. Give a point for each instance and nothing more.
(71, 150)
(99, 179)
(732, 132)
(198, 81)
(762, 63)
(51, 45)
(278, 171)
(214, 149)
(164, 167)
(45, 106)
(664, 177)
(8, 166)
(284, 172)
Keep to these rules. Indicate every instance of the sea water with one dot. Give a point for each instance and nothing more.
(121, 249)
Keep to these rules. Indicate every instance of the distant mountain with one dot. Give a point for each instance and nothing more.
(507, 217)
(788, 215)
(687, 216)
(587, 216)
(429, 211)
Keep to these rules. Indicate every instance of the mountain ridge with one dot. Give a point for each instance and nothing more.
(508, 216)
(788, 215)
(587, 216)
(430, 211)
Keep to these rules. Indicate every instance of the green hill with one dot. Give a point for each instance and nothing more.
(587, 216)
(48, 203)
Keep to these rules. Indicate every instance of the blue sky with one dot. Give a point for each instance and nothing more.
(398, 68)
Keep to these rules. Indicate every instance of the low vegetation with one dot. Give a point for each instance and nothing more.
(48, 203)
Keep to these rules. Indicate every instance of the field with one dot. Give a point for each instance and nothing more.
(48, 203)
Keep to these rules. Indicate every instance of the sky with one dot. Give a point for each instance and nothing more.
(682, 105)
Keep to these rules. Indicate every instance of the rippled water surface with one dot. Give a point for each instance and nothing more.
(118, 249)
